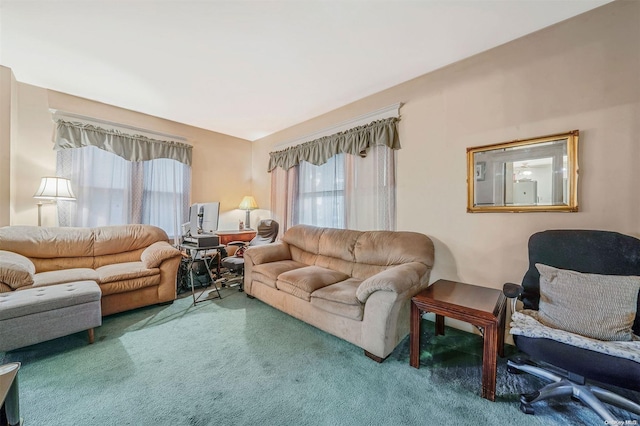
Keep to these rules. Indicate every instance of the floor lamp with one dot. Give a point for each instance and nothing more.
(51, 190)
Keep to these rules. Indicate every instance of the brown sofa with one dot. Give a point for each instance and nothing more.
(134, 265)
(354, 285)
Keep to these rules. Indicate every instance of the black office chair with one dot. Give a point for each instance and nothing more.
(267, 233)
(572, 369)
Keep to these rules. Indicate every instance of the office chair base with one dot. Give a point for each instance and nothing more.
(590, 395)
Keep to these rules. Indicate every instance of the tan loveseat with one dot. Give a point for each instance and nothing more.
(354, 285)
(134, 265)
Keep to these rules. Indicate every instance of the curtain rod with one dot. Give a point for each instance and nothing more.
(378, 114)
(62, 114)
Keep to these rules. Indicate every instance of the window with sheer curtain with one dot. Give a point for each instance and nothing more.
(121, 178)
(347, 192)
(344, 180)
(113, 191)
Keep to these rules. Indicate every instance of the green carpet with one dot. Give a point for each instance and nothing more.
(237, 361)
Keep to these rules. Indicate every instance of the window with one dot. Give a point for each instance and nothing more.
(113, 191)
(347, 192)
(342, 180)
(321, 194)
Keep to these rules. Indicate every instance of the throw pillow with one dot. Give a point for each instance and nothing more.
(16, 270)
(601, 307)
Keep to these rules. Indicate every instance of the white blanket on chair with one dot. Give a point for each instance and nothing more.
(526, 323)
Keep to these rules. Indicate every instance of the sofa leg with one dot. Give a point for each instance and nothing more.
(374, 357)
(170, 302)
(91, 335)
(250, 296)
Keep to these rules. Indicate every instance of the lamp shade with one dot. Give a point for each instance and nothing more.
(55, 188)
(248, 203)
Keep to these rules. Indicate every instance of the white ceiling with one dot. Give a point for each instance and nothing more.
(251, 68)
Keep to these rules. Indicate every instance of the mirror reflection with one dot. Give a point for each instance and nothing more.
(537, 174)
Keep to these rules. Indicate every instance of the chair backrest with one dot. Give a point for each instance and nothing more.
(267, 232)
(586, 251)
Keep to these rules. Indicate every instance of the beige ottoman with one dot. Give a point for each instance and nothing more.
(35, 315)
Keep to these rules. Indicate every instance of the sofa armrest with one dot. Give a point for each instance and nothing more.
(16, 270)
(397, 279)
(158, 252)
(268, 253)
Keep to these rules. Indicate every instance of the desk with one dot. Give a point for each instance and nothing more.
(227, 236)
(9, 401)
(193, 250)
(483, 307)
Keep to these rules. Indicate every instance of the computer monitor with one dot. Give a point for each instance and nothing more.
(203, 217)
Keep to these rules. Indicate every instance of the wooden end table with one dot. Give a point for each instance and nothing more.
(483, 307)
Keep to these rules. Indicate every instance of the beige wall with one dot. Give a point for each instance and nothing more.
(221, 169)
(6, 84)
(581, 74)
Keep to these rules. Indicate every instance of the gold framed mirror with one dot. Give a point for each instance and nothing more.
(532, 175)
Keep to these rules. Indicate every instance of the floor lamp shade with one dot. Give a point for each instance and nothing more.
(53, 189)
(248, 203)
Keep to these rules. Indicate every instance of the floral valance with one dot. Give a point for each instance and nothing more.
(354, 141)
(130, 147)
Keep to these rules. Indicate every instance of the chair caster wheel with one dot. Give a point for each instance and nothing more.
(240, 290)
(526, 408)
(527, 398)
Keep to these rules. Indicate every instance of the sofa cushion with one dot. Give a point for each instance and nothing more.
(43, 279)
(378, 250)
(124, 271)
(302, 282)
(267, 273)
(124, 238)
(15, 270)
(340, 299)
(129, 285)
(47, 243)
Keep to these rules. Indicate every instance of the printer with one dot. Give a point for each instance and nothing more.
(202, 240)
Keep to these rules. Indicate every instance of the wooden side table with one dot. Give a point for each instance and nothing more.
(483, 307)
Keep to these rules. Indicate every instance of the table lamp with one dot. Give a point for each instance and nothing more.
(51, 190)
(248, 203)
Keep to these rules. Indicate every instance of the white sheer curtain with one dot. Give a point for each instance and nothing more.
(348, 191)
(113, 191)
(370, 190)
(321, 194)
(284, 190)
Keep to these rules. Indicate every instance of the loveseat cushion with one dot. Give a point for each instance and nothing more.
(340, 299)
(267, 273)
(301, 282)
(63, 276)
(15, 270)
